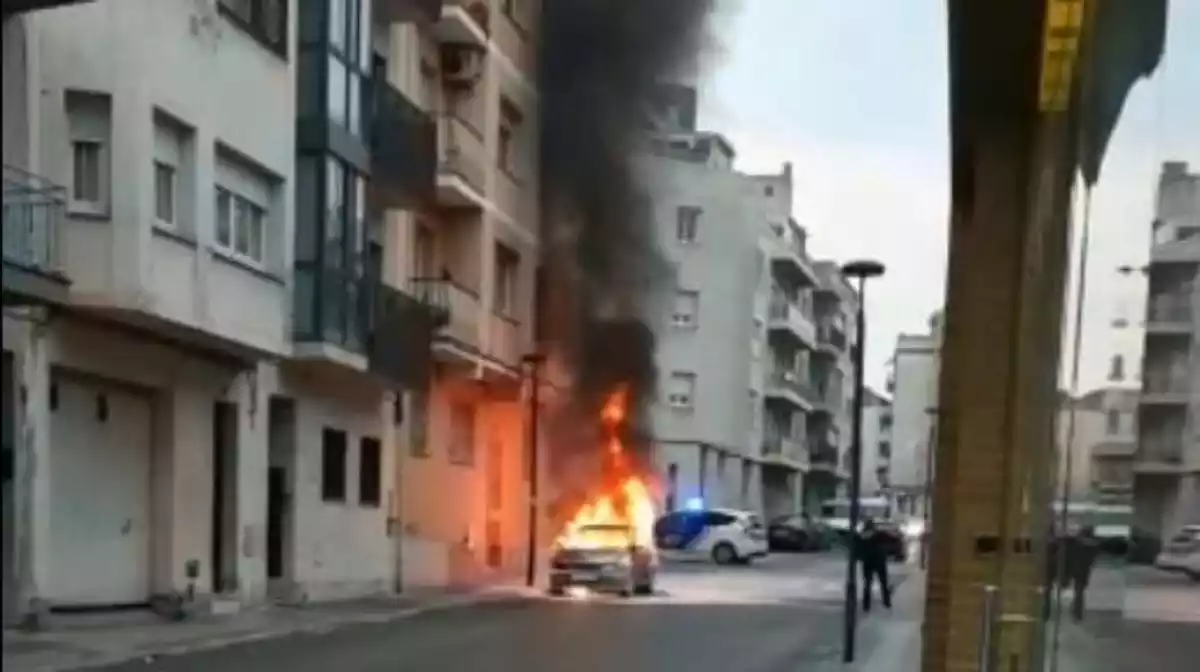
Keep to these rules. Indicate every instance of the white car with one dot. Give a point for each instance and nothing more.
(725, 536)
(1182, 553)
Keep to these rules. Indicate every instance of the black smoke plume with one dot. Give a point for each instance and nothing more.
(601, 64)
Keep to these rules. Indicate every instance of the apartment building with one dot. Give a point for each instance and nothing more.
(913, 384)
(877, 444)
(831, 377)
(1167, 463)
(267, 281)
(739, 348)
(1104, 446)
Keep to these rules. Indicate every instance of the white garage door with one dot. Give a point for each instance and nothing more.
(100, 494)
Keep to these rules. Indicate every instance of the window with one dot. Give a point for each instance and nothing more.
(264, 20)
(164, 193)
(370, 469)
(1116, 370)
(333, 465)
(349, 61)
(687, 224)
(510, 125)
(86, 172)
(89, 120)
(507, 263)
(672, 485)
(768, 190)
(242, 196)
(1113, 421)
(462, 434)
(239, 225)
(681, 389)
(686, 312)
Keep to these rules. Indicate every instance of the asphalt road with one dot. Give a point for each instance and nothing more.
(781, 615)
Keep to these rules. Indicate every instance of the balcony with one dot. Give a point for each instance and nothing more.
(462, 164)
(465, 22)
(33, 219)
(789, 318)
(787, 452)
(790, 386)
(1170, 387)
(825, 459)
(789, 257)
(1171, 313)
(504, 341)
(831, 335)
(351, 321)
(828, 399)
(512, 197)
(404, 152)
(459, 336)
(423, 12)
(1175, 243)
(1159, 455)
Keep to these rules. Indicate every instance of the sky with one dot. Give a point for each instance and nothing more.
(855, 95)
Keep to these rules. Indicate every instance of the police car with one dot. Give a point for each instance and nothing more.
(725, 536)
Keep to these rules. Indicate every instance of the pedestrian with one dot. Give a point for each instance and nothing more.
(1082, 550)
(871, 548)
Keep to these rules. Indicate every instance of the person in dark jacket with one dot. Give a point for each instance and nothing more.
(1082, 550)
(871, 548)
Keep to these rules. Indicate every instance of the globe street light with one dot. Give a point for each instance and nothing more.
(862, 270)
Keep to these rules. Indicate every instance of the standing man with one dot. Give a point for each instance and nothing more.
(1082, 550)
(871, 549)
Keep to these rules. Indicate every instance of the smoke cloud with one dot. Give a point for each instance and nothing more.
(601, 64)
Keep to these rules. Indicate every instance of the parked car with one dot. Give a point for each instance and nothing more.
(895, 541)
(797, 532)
(603, 558)
(725, 536)
(1182, 553)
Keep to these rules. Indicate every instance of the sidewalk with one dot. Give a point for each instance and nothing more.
(889, 641)
(86, 642)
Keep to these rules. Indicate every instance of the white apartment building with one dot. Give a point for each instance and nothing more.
(1167, 464)
(835, 305)
(913, 384)
(1102, 448)
(738, 350)
(214, 216)
(877, 444)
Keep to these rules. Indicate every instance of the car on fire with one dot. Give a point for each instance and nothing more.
(725, 536)
(603, 558)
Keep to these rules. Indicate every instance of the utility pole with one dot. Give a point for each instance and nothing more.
(862, 270)
(534, 362)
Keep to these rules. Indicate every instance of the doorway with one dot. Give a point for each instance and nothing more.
(281, 418)
(224, 502)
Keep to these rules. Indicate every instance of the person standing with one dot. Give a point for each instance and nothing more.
(871, 548)
(1082, 550)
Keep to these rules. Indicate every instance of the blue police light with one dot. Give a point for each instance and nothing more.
(694, 504)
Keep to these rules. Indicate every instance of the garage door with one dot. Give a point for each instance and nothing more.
(100, 494)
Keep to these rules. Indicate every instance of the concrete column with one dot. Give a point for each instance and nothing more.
(131, 172)
(31, 482)
(1008, 260)
(253, 432)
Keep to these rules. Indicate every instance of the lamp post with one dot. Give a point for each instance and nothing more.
(862, 270)
(534, 361)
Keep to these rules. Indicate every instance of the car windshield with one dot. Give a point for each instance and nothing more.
(604, 536)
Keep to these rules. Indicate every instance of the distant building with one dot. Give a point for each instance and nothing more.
(1167, 466)
(1102, 446)
(877, 443)
(913, 384)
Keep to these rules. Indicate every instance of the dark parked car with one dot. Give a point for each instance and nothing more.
(797, 533)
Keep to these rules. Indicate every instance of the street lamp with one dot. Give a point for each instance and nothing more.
(533, 361)
(862, 270)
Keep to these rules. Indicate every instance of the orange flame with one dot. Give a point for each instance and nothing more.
(624, 512)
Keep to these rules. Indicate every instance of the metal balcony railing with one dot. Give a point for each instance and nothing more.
(796, 381)
(458, 304)
(1160, 450)
(1175, 381)
(33, 214)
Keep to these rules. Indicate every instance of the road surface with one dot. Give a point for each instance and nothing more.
(780, 615)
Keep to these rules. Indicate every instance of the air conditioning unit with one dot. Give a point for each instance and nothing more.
(462, 65)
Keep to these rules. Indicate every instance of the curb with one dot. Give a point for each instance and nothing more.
(334, 624)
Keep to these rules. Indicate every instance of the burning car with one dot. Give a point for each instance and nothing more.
(603, 558)
(608, 542)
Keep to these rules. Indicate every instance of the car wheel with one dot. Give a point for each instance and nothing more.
(724, 554)
(556, 591)
(644, 589)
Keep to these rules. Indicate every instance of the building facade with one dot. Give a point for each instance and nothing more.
(913, 383)
(1167, 463)
(877, 444)
(1102, 426)
(744, 355)
(268, 276)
